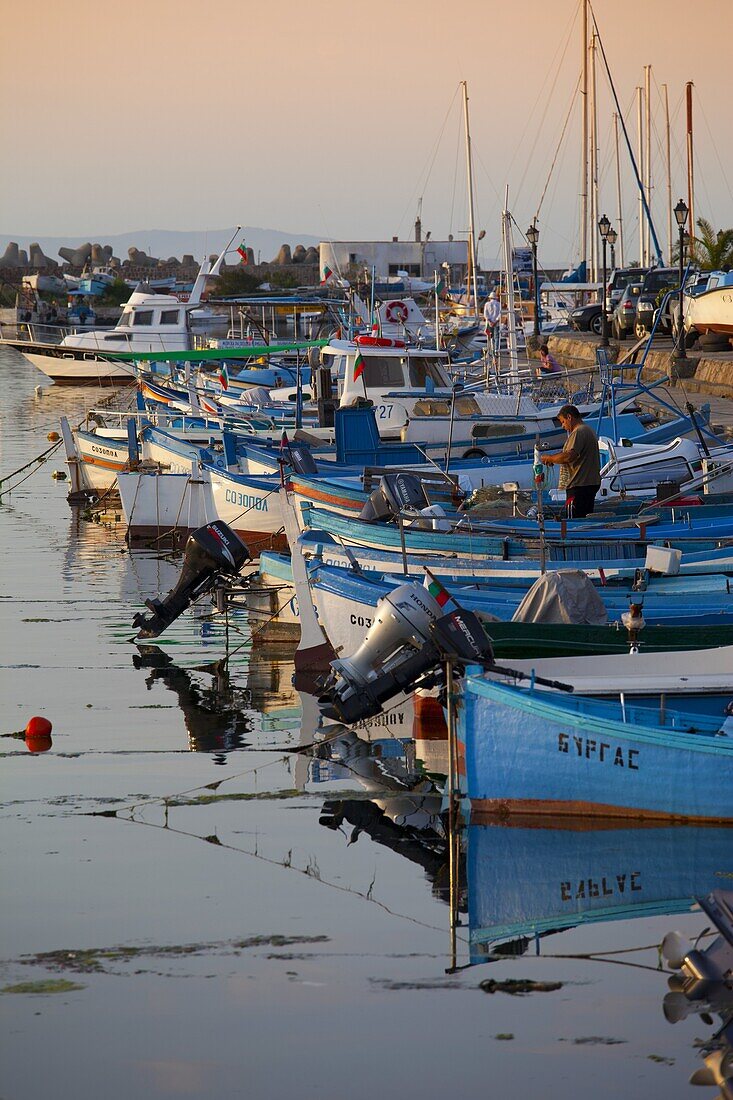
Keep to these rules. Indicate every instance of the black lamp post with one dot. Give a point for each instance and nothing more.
(680, 213)
(604, 228)
(533, 235)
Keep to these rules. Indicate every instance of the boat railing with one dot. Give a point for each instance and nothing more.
(36, 333)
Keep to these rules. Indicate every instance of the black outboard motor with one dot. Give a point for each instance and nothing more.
(210, 551)
(301, 460)
(395, 494)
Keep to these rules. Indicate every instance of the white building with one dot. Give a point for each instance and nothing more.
(419, 258)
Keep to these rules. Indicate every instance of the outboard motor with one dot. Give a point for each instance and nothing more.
(212, 550)
(409, 637)
(301, 460)
(395, 494)
(325, 401)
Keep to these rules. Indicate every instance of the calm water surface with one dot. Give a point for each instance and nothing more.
(237, 919)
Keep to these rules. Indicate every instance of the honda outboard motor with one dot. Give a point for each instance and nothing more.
(212, 550)
(409, 637)
(395, 494)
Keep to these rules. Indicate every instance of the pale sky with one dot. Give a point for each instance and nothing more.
(334, 118)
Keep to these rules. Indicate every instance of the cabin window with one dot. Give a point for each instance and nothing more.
(379, 370)
(125, 320)
(169, 316)
(117, 336)
(467, 406)
(142, 317)
(422, 368)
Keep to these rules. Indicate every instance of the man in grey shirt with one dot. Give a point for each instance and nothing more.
(581, 461)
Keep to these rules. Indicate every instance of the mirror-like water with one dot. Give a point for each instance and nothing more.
(193, 908)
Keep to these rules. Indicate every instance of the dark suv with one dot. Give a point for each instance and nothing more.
(654, 286)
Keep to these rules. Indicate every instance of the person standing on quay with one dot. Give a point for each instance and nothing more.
(581, 463)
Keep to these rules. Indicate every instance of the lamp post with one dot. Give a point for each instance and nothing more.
(533, 235)
(612, 238)
(680, 213)
(604, 228)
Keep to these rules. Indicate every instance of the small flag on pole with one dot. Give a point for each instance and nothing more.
(358, 365)
(242, 250)
(327, 273)
(439, 285)
(224, 376)
(284, 441)
(436, 590)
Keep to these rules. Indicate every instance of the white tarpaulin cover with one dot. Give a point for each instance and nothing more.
(562, 596)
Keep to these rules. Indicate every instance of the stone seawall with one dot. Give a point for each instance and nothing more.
(704, 372)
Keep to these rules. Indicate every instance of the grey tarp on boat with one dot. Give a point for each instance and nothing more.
(562, 596)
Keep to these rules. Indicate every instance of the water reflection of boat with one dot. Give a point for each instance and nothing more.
(212, 711)
(525, 882)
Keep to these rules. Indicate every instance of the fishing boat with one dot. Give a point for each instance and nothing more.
(658, 750)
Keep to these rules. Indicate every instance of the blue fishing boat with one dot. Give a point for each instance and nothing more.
(552, 755)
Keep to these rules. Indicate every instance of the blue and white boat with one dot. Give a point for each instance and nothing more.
(660, 750)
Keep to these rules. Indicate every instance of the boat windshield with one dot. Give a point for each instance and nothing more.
(383, 370)
(422, 368)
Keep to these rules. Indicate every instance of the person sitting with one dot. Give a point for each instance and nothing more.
(548, 362)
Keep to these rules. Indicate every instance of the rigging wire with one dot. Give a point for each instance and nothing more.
(426, 172)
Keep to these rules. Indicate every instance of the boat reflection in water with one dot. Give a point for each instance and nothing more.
(524, 883)
(213, 710)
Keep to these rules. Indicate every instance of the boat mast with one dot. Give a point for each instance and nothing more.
(508, 249)
(584, 140)
(640, 158)
(593, 162)
(670, 241)
(469, 184)
(690, 161)
(619, 203)
(648, 156)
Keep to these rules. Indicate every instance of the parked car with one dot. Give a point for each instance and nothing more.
(623, 318)
(618, 280)
(587, 318)
(654, 286)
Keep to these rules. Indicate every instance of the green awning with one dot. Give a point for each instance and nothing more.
(212, 353)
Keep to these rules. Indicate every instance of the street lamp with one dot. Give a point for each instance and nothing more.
(604, 228)
(533, 235)
(612, 238)
(680, 213)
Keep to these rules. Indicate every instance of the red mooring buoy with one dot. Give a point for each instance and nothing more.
(38, 727)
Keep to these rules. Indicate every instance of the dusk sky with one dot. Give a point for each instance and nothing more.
(333, 119)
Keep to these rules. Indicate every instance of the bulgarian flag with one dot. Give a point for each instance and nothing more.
(358, 365)
(327, 273)
(284, 442)
(435, 588)
(224, 376)
(439, 285)
(242, 250)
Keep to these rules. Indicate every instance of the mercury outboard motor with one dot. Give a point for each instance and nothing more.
(409, 637)
(211, 550)
(406, 647)
(395, 494)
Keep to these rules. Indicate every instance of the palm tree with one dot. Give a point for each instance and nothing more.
(710, 251)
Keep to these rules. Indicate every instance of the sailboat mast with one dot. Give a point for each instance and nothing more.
(506, 240)
(690, 161)
(584, 140)
(593, 162)
(469, 184)
(670, 241)
(648, 156)
(640, 159)
(619, 202)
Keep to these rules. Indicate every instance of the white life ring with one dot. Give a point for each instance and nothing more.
(396, 312)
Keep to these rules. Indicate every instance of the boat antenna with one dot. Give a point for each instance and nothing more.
(639, 184)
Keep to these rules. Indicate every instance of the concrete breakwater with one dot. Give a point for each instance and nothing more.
(708, 372)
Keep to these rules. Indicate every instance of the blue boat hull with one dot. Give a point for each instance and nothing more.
(527, 755)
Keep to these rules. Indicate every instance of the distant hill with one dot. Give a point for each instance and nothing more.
(164, 243)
